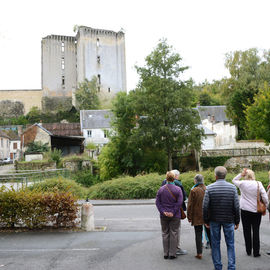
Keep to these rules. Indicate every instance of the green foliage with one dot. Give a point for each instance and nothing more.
(90, 146)
(258, 115)
(54, 155)
(212, 162)
(55, 104)
(86, 178)
(86, 95)
(163, 103)
(59, 184)
(34, 209)
(37, 147)
(248, 73)
(35, 115)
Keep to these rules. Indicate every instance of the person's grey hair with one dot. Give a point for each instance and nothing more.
(176, 172)
(199, 179)
(220, 172)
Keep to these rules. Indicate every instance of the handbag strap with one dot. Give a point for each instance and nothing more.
(170, 192)
(258, 192)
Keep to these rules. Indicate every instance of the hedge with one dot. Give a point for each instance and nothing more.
(35, 209)
(146, 187)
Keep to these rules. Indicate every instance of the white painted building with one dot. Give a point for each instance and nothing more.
(214, 119)
(4, 145)
(96, 126)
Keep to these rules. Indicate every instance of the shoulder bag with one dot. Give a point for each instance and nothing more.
(261, 207)
(183, 215)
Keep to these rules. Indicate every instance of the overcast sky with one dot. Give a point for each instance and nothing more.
(202, 31)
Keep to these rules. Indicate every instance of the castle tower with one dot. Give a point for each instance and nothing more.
(58, 65)
(101, 53)
(67, 61)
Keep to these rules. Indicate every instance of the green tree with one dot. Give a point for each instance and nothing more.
(248, 72)
(258, 115)
(163, 102)
(86, 95)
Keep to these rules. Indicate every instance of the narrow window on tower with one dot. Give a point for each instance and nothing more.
(63, 81)
(109, 89)
(99, 79)
(63, 63)
(98, 59)
(62, 46)
(98, 44)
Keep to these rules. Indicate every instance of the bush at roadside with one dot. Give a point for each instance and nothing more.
(60, 184)
(35, 209)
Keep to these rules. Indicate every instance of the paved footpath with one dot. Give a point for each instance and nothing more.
(132, 241)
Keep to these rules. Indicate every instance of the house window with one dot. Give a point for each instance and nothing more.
(15, 146)
(89, 133)
(98, 59)
(63, 63)
(109, 89)
(63, 81)
(98, 44)
(62, 46)
(99, 79)
(106, 133)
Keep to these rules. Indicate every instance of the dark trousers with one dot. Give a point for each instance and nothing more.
(251, 225)
(198, 237)
(169, 227)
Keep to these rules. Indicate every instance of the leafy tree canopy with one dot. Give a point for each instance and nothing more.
(86, 95)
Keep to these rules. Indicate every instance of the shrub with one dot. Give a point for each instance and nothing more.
(54, 155)
(86, 178)
(60, 184)
(34, 209)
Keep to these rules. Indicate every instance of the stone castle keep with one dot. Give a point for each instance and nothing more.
(68, 60)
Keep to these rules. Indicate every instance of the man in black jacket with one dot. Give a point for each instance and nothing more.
(221, 209)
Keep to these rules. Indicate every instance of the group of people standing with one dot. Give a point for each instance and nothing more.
(210, 208)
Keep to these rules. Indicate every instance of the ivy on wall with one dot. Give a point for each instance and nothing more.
(212, 162)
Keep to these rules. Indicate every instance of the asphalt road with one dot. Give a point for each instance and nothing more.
(132, 240)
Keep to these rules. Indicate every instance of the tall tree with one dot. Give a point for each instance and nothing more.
(86, 95)
(248, 72)
(258, 115)
(163, 102)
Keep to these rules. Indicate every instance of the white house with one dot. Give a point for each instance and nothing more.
(214, 119)
(96, 125)
(4, 145)
(15, 145)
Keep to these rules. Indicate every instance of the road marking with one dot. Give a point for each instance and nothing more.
(49, 249)
(127, 219)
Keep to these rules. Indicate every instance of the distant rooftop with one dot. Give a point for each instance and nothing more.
(217, 111)
(93, 119)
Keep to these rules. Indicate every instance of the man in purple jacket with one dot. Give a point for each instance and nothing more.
(168, 201)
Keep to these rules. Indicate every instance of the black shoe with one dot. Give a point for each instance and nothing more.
(249, 253)
(172, 257)
(166, 257)
(257, 255)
